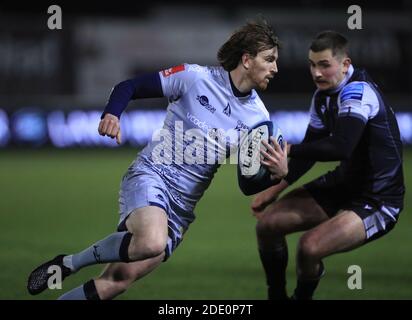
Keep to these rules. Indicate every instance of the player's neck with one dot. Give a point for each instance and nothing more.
(240, 81)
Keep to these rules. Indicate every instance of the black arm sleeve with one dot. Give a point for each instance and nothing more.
(338, 146)
(298, 167)
(144, 86)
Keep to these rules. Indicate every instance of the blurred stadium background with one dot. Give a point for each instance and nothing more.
(59, 179)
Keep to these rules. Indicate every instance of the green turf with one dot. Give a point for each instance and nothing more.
(60, 201)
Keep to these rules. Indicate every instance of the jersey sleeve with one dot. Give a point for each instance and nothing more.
(176, 81)
(358, 100)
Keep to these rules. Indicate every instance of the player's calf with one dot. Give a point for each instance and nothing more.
(309, 254)
(118, 277)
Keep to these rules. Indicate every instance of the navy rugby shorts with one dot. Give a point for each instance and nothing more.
(378, 217)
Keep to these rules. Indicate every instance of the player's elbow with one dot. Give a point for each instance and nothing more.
(124, 87)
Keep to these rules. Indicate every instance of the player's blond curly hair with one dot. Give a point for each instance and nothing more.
(251, 38)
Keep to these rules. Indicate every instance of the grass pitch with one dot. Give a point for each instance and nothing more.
(61, 201)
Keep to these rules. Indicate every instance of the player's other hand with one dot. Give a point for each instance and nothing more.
(266, 197)
(263, 199)
(110, 126)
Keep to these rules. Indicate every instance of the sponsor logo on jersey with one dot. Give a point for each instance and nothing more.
(204, 101)
(227, 110)
(173, 70)
(241, 126)
(201, 124)
(196, 68)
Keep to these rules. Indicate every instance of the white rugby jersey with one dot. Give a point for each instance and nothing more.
(202, 124)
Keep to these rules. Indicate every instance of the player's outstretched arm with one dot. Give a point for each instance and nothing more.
(144, 86)
(336, 147)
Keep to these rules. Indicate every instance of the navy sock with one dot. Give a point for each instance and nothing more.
(274, 263)
(306, 287)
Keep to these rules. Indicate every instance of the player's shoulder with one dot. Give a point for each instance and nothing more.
(260, 105)
(357, 90)
(202, 71)
(188, 69)
(198, 73)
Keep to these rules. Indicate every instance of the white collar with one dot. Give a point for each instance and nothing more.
(344, 81)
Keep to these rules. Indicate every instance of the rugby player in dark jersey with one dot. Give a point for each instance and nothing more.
(348, 207)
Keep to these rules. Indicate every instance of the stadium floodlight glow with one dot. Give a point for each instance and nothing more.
(33, 126)
(138, 126)
(292, 123)
(405, 126)
(78, 128)
(29, 127)
(4, 128)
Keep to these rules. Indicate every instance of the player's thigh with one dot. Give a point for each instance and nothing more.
(343, 232)
(296, 211)
(148, 223)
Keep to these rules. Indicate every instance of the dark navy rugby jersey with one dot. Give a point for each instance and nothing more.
(375, 165)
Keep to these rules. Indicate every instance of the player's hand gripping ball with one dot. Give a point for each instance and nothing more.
(249, 150)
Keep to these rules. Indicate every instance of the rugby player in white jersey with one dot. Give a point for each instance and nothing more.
(356, 203)
(160, 189)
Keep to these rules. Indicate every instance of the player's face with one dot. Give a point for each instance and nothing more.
(327, 70)
(263, 68)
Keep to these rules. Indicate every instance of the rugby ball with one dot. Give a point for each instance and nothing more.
(252, 176)
(250, 145)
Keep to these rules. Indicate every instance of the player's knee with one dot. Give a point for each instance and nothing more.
(269, 225)
(155, 247)
(147, 247)
(309, 246)
(262, 228)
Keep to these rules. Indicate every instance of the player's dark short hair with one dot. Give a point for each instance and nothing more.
(330, 40)
(251, 38)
